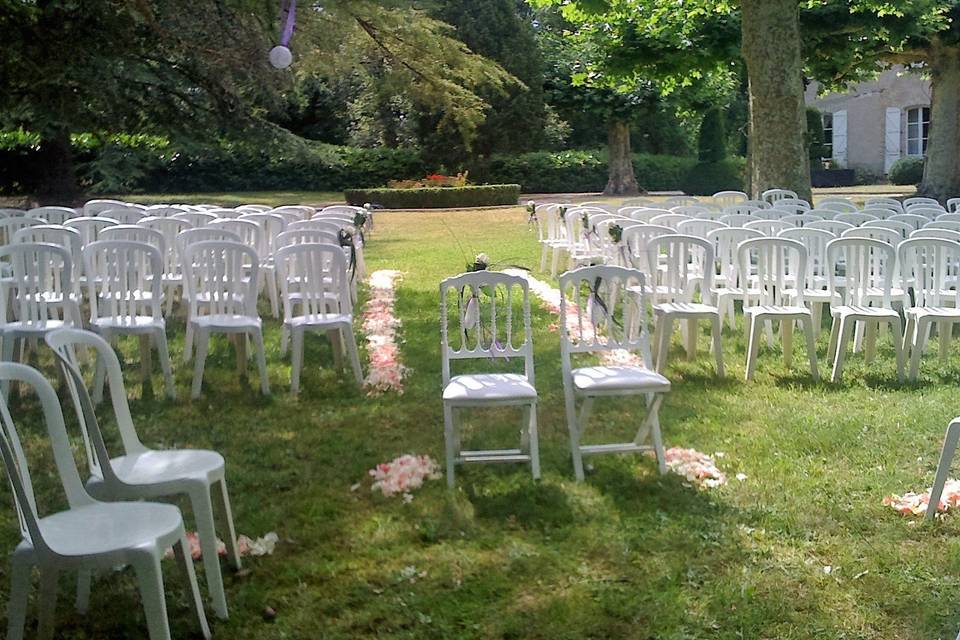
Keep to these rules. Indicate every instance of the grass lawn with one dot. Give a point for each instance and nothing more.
(802, 548)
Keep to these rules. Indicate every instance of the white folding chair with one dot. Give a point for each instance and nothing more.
(315, 289)
(688, 262)
(88, 535)
(777, 261)
(485, 327)
(597, 316)
(125, 291)
(220, 279)
(868, 266)
(141, 473)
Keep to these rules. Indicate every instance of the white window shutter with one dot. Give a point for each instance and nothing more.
(840, 139)
(891, 138)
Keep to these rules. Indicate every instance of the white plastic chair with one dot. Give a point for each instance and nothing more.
(727, 198)
(947, 217)
(675, 201)
(220, 279)
(801, 219)
(816, 290)
(936, 232)
(919, 200)
(124, 215)
(839, 205)
(887, 202)
(486, 303)
(53, 215)
(9, 226)
(306, 236)
(647, 214)
(172, 277)
(930, 264)
(738, 219)
(691, 210)
(836, 227)
(255, 207)
(688, 262)
(769, 227)
(903, 228)
(914, 220)
(741, 209)
(95, 207)
(868, 266)
(855, 219)
(315, 289)
(141, 473)
(597, 317)
(953, 205)
(774, 195)
(10, 212)
(777, 260)
(793, 205)
(125, 291)
(669, 220)
(926, 211)
(88, 535)
(699, 227)
(195, 218)
(636, 240)
(731, 285)
(950, 439)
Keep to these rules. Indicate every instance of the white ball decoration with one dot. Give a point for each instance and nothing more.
(281, 57)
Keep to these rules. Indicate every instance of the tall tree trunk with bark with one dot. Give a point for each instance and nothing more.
(621, 180)
(58, 180)
(941, 171)
(778, 123)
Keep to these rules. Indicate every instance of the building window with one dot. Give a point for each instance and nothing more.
(827, 136)
(918, 128)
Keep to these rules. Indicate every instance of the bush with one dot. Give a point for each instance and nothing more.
(706, 178)
(712, 143)
(436, 198)
(907, 171)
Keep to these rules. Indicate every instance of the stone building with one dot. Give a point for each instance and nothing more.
(875, 123)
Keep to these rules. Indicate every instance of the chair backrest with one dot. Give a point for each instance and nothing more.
(945, 234)
(839, 205)
(95, 207)
(836, 227)
(226, 213)
(880, 210)
(931, 265)
(738, 219)
(699, 227)
(794, 205)
(305, 236)
(953, 205)
(602, 309)
(947, 217)
(314, 281)
(255, 207)
(900, 227)
(89, 228)
(637, 238)
(136, 233)
(952, 225)
(8, 212)
(688, 261)
(42, 280)
(727, 198)
(53, 215)
(670, 220)
(271, 225)
(170, 228)
(249, 232)
(680, 201)
(774, 262)
(773, 195)
(9, 226)
(868, 265)
(195, 218)
(119, 273)
(300, 212)
(492, 319)
(647, 214)
(204, 234)
(638, 202)
(915, 221)
(768, 227)
(801, 219)
(691, 210)
(919, 200)
(925, 210)
(350, 210)
(883, 234)
(740, 209)
(725, 242)
(15, 460)
(888, 202)
(59, 235)
(815, 240)
(124, 215)
(221, 274)
(164, 211)
(856, 219)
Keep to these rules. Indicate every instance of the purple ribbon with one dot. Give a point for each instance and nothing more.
(288, 17)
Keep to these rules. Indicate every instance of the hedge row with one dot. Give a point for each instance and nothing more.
(579, 171)
(436, 198)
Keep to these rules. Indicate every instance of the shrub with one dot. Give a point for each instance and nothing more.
(706, 178)
(712, 143)
(907, 171)
(436, 198)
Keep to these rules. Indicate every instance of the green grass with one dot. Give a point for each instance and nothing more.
(627, 554)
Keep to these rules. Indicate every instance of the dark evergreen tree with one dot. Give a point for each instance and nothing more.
(712, 144)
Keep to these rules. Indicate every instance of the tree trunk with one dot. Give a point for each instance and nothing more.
(621, 180)
(58, 180)
(778, 123)
(941, 171)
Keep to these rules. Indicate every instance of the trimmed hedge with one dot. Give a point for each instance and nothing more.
(436, 198)
(579, 171)
(907, 170)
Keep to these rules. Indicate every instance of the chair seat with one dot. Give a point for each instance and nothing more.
(128, 323)
(489, 387)
(776, 310)
(226, 321)
(863, 311)
(685, 309)
(39, 327)
(618, 378)
(108, 527)
(331, 319)
(155, 467)
(938, 312)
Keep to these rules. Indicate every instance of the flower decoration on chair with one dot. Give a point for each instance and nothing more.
(360, 221)
(346, 241)
(563, 212)
(532, 218)
(616, 237)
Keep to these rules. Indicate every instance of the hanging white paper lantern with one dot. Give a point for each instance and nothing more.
(281, 57)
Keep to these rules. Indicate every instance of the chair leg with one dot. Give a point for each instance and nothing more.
(9, 342)
(163, 353)
(571, 411)
(834, 338)
(816, 308)
(84, 577)
(449, 439)
(754, 327)
(811, 347)
(180, 551)
(202, 504)
(870, 342)
(943, 467)
(534, 442)
(100, 373)
(261, 362)
(150, 579)
(543, 257)
(663, 331)
(188, 341)
(846, 331)
(168, 303)
(272, 293)
(202, 339)
(222, 498)
(17, 604)
(284, 339)
(48, 602)
(907, 340)
(786, 340)
(945, 328)
(921, 325)
(691, 345)
(349, 341)
(717, 346)
(296, 362)
(896, 330)
(337, 348)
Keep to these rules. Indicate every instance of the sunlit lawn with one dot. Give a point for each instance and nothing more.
(801, 548)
